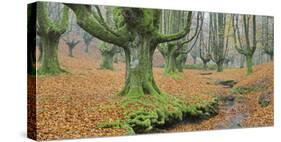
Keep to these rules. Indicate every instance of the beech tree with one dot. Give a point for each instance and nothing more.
(248, 47)
(138, 34)
(87, 40)
(219, 38)
(267, 40)
(175, 52)
(71, 43)
(108, 51)
(50, 31)
(204, 51)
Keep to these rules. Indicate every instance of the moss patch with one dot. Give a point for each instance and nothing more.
(147, 112)
(175, 75)
(242, 90)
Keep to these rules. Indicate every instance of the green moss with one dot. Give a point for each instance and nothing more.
(200, 66)
(243, 90)
(144, 113)
(249, 62)
(46, 24)
(174, 75)
(50, 63)
(117, 17)
(107, 61)
(264, 103)
(50, 32)
(50, 71)
(152, 111)
(107, 51)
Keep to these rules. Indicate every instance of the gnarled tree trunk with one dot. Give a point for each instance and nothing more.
(170, 66)
(205, 67)
(219, 66)
(107, 60)
(50, 62)
(50, 31)
(249, 63)
(249, 48)
(139, 75)
(180, 61)
(138, 36)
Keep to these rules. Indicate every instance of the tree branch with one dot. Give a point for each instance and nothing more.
(87, 21)
(236, 30)
(102, 22)
(254, 35)
(166, 38)
(196, 31)
(45, 24)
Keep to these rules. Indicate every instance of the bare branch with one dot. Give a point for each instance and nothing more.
(87, 21)
(102, 22)
(166, 38)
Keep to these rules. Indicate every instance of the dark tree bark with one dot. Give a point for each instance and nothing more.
(87, 40)
(31, 39)
(71, 44)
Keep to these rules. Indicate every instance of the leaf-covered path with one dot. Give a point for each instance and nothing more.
(72, 104)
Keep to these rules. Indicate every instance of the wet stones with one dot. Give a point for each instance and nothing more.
(226, 83)
(228, 100)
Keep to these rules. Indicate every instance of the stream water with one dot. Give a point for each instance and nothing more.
(234, 112)
(231, 113)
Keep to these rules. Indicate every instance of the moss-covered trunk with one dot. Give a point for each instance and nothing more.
(205, 67)
(50, 32)
(219, 66)
(139, 78)
(180, 61)
(179, 65)
(50, 62)
(107, 60)
(172, 62)
(249, 64)
(170, 67)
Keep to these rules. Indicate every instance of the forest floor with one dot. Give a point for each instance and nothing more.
(71, 105)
